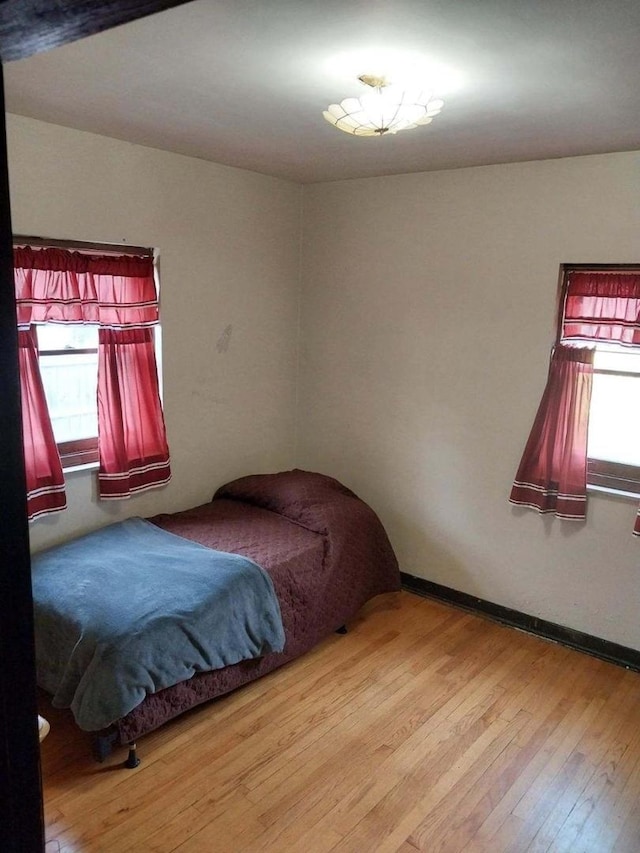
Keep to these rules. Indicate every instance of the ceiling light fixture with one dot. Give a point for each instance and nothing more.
(384, 109)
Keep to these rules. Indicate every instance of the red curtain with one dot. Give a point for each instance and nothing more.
(552, 476)
(602, 306)
(131, 434)
(118, 293)
(58, 286)
(45, 481)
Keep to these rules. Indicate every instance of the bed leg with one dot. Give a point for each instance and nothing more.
(341, 630)
(132, 759)
(103, 745)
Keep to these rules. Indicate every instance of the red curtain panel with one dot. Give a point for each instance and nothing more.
(45, 481)
(552, 476)
(132, 443)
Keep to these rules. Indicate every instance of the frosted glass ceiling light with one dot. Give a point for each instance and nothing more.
(383, 109)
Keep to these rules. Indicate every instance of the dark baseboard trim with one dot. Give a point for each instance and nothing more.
(596, 646)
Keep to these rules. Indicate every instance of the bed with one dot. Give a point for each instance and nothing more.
(312, 543)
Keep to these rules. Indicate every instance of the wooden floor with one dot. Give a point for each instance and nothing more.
(424, 728)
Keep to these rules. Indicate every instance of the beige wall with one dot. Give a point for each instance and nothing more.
(428, 306)
(428, 309)
(229, 257)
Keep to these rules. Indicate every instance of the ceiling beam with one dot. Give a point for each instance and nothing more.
(33, 26)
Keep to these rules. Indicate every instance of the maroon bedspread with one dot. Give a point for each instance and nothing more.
(325, 550)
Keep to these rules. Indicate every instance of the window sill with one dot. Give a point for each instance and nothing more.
(616, 493)
(85, 466)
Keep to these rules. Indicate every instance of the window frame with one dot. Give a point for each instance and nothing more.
(602, 474)
(84, 451)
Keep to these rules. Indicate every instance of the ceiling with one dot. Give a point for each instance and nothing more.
(244, 82)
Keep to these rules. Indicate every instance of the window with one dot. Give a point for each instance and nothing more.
(68, 360)
(87, 318)
(586, 428)
(599, 307)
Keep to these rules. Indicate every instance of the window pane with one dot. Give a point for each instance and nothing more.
(617, 358)
(70, 383)
(614, 420)
(62, 336)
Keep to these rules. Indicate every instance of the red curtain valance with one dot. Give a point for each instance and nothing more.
(602, 307)
(59, 286)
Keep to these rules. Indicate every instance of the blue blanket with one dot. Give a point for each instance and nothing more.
(131, 609)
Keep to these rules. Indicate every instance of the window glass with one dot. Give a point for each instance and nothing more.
(70, 379)
(63, 336)
(614, 419)
(611, 357)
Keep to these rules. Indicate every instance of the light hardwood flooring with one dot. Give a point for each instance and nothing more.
(424, 728)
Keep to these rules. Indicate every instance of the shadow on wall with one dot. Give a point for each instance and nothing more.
(439, 565)
(549, 523)
(439, 562)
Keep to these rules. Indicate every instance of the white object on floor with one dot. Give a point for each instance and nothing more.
(43, 728)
